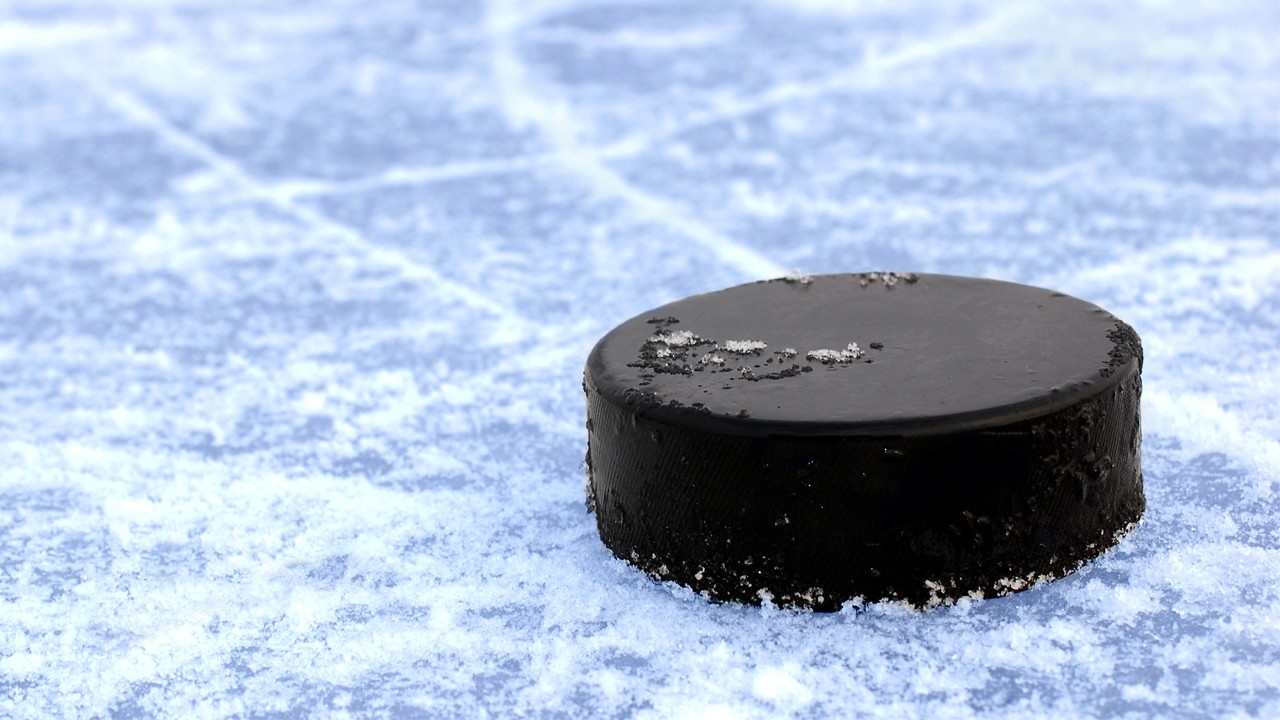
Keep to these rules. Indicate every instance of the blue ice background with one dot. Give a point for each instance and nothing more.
(295, 296)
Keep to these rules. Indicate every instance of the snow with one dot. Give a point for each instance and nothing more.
(295, 299)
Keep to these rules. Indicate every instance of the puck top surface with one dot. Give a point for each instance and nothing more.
(861, 354)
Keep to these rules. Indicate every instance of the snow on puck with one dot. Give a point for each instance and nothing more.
(880, 436)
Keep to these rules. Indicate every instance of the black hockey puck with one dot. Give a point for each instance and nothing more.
(877, 436)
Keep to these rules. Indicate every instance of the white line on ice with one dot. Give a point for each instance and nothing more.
(843, 81)
(280, 198)
(555, 120)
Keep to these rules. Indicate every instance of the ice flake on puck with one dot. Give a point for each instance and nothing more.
(888, 278)
(830, 357)
(679, 338)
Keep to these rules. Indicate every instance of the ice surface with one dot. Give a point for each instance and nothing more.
(295, 298)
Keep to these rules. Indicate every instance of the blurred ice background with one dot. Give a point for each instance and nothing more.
(295, 296)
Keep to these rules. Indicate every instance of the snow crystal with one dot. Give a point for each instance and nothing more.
(743, 347)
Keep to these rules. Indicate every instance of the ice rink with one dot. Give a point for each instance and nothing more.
(295, 299)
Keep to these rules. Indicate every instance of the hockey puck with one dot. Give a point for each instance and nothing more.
(809, 441)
